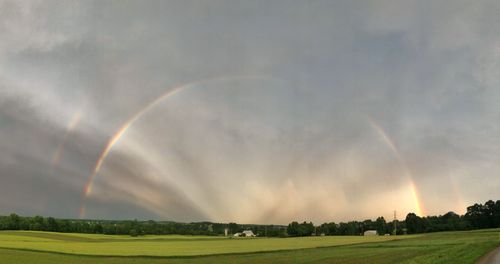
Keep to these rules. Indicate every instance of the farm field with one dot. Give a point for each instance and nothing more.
(445, 247)
(87, 244)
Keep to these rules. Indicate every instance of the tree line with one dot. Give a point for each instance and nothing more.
(478, 216)
(133, 228)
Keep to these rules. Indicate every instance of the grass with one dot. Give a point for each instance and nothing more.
(445, 247)
(78, 237)
(166, 245)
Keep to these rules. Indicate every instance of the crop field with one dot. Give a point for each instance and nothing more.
(445, 247)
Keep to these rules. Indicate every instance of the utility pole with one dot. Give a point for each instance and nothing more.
(395, 223)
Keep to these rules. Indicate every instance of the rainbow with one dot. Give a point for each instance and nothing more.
(73, 123)
(123, 128)
(390, 143)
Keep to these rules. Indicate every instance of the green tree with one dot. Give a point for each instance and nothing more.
(13, 222)
(293, 229)
(233, 228)
(414, 224)
(381, 225)
(496, 214)
(133, 232)
(331, 229)
(98, 229)
(306, 229)
(475, 216)
(52, 225)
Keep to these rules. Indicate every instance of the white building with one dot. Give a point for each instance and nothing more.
(370, 233)
(246, 233)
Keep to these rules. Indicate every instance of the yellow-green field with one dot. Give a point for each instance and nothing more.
(446, 247)
(175, 245)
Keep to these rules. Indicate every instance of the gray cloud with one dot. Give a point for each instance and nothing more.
(294, 142)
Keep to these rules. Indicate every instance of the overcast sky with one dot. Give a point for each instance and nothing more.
(289, 110)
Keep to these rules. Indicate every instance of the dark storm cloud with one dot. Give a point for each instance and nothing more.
(28, 183)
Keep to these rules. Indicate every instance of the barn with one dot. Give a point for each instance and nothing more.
(246, 233)
(370, 233)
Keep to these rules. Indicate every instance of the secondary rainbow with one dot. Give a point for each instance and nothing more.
(73, 123)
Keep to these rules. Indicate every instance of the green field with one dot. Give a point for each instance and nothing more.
(445, 247)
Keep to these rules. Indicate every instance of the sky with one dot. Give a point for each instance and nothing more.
(248, 111)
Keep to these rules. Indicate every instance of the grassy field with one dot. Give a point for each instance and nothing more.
(167, 245)
(446, 247)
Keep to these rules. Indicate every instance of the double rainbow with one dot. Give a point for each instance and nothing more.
(123, 129)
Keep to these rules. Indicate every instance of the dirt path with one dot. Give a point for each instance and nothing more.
(491, 258)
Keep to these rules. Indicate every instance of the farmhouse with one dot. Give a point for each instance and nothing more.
(246, 233)
(370, 233)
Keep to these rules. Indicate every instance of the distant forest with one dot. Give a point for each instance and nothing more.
(478, 216)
